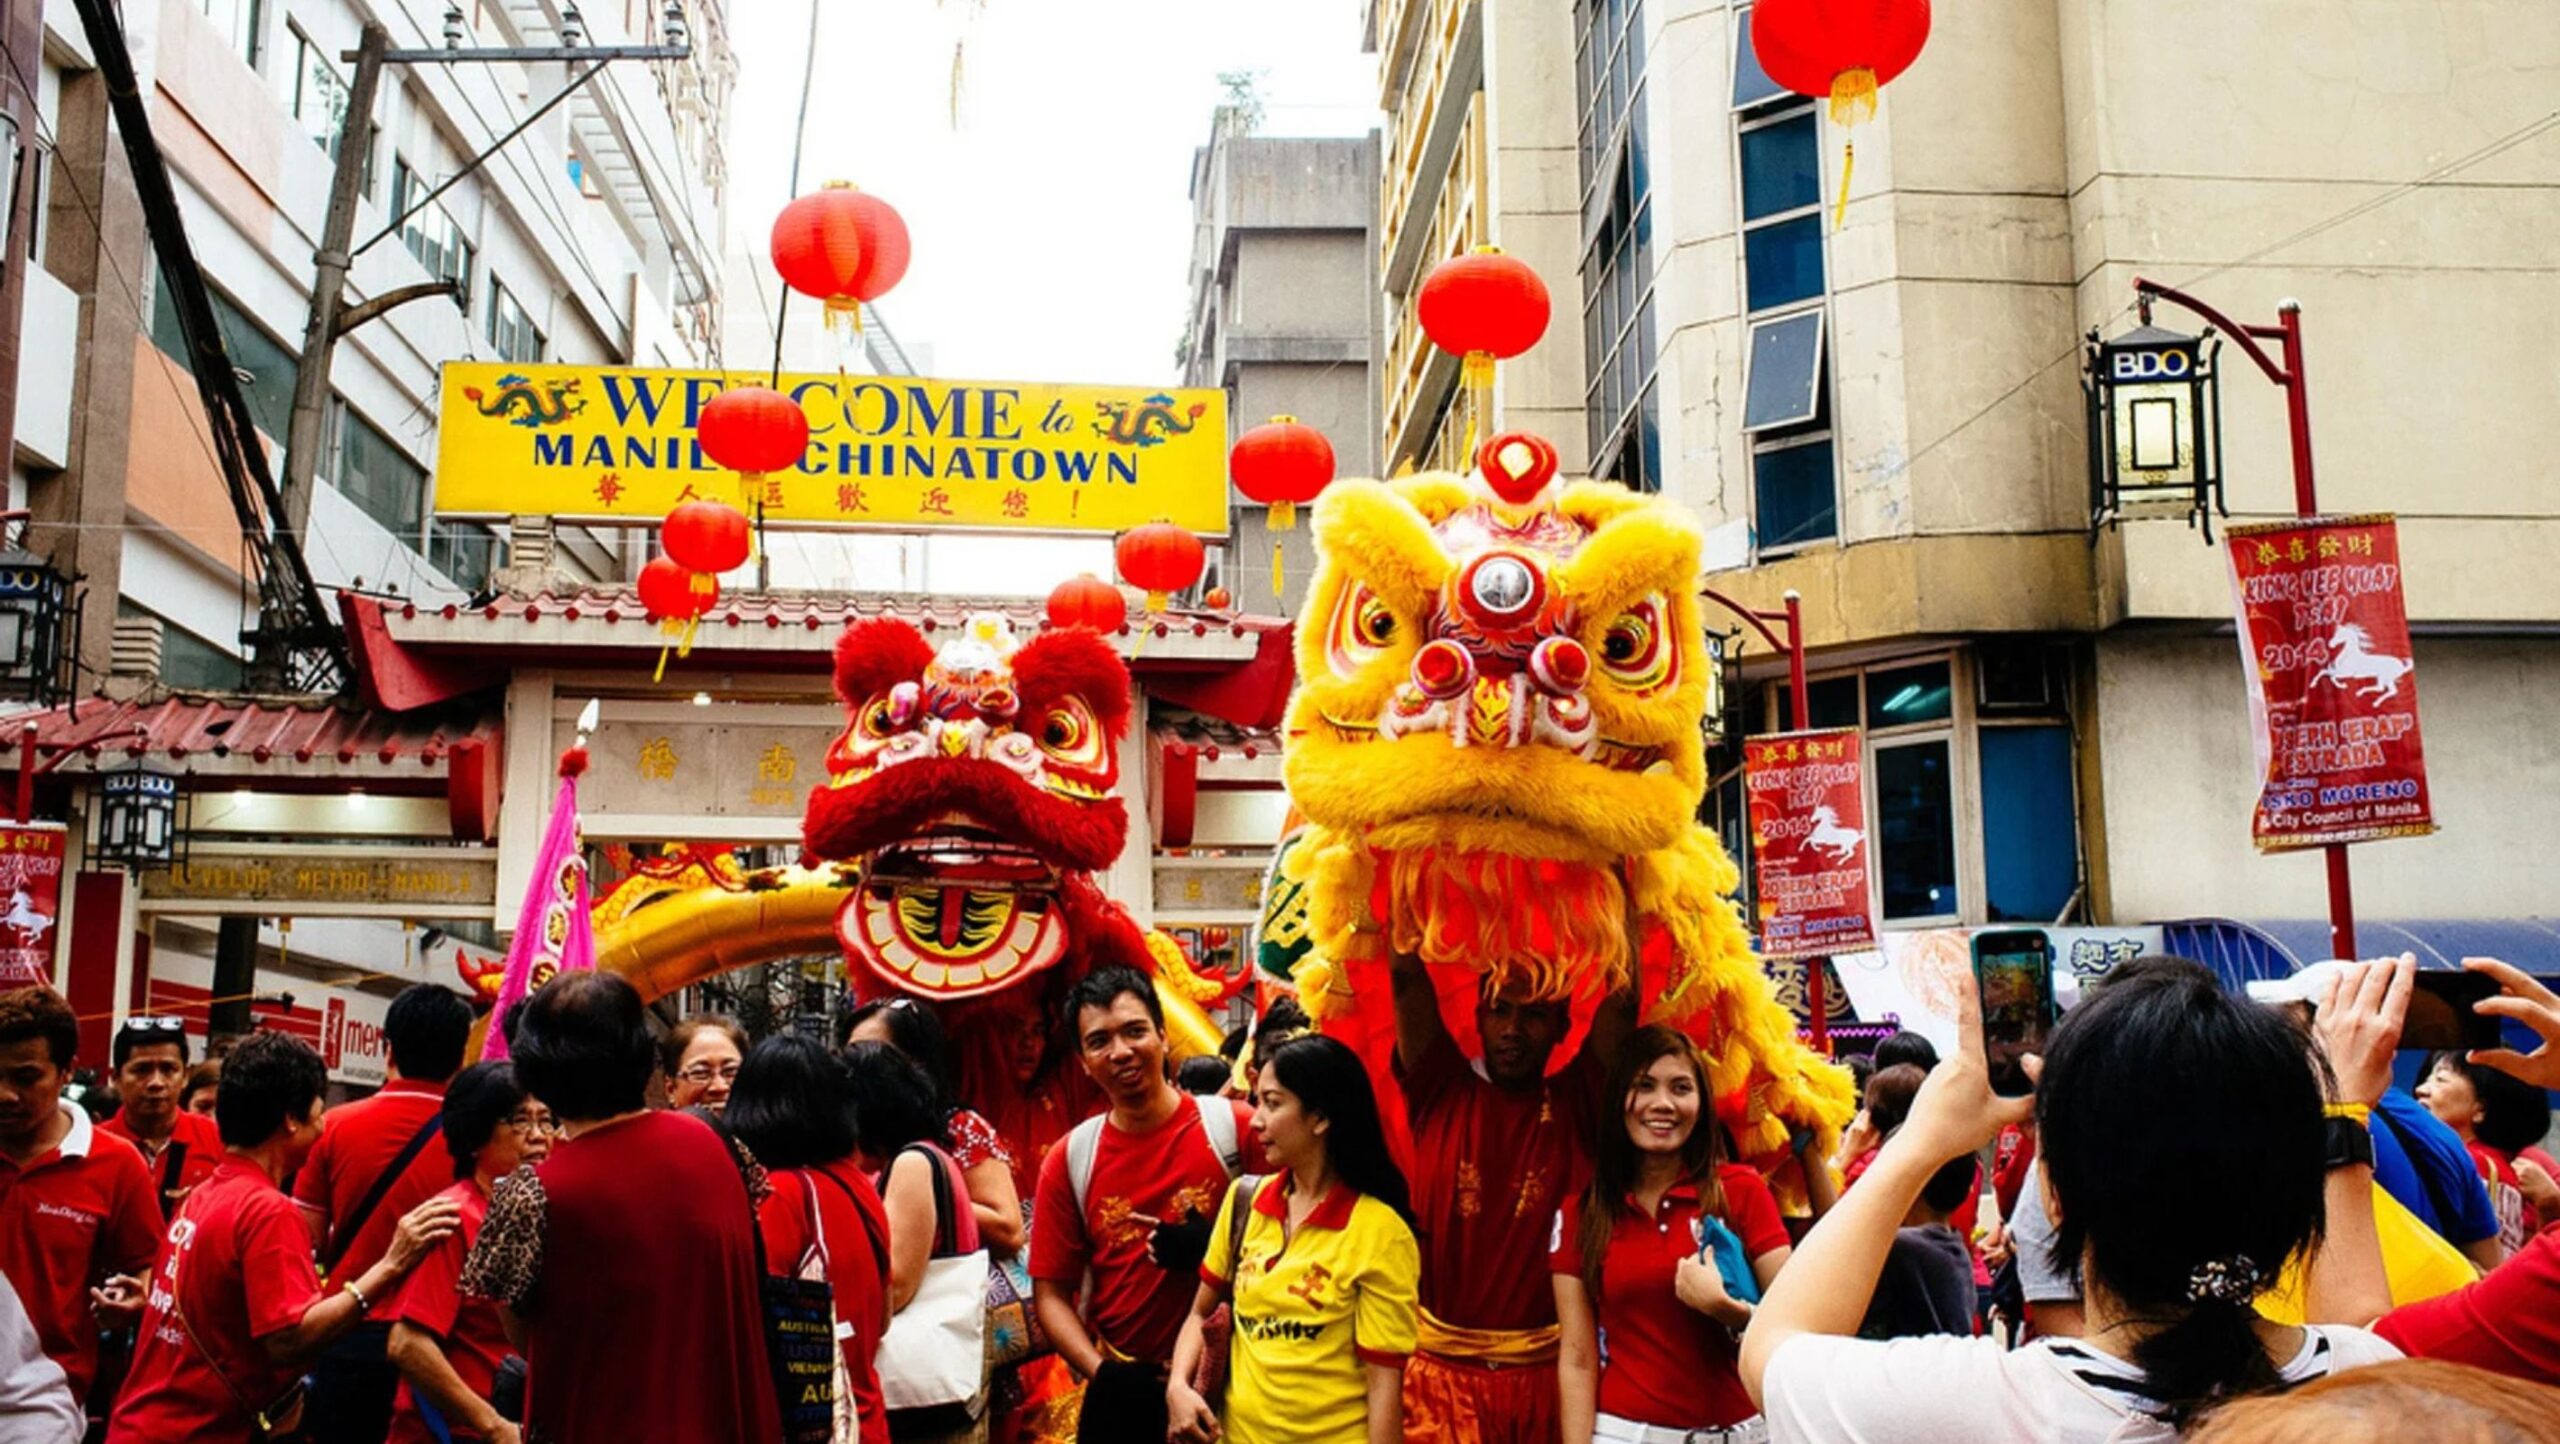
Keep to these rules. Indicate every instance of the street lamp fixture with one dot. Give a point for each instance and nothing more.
(137, 816)
(2155, 427)
(35, 603)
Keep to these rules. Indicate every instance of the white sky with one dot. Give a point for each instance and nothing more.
(1052, 226)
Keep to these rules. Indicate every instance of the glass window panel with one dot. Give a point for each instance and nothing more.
(1781, 167)
(1782, 264)
(1832, 700)
(2030, 833)
(1793, 500)
(1904, 695)
(1751, 84)
(1649, 436)
(1784, 383)
(265, 368)
(378, 477)
(1916, 831)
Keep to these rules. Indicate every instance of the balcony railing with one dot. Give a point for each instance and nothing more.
(1460, 222)
(1415, 106)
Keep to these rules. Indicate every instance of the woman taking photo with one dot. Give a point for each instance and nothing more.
(626, 1261)
(985, 1165)
(791, 1111)
(451, 1349)
(1632, 1262)
(1321, 1282)
(899, 1124)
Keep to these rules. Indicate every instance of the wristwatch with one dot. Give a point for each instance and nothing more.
(2349, 1144)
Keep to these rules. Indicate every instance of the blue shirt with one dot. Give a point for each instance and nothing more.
(2423, 1164)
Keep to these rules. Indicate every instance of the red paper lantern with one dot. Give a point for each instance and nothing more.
(1845, 50)
(1485, 306)
(753, 430)
(706, 538)
(842, 246)
(1283, 463)
(1160, 558)
(668, 592)
(1088, 601)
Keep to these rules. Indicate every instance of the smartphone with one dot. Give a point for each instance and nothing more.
(2440, 1014)
(2013, 977)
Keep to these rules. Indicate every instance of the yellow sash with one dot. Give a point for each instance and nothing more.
(1486, 1348)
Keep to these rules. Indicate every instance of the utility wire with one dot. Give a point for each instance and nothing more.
(799, 139)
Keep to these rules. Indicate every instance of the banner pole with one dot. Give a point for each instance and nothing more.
(2306, 505)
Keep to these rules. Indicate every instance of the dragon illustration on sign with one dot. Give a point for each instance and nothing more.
(527, 403)
(1149, 422)
(1496, 744)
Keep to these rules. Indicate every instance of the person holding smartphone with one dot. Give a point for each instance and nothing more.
(1632, 1259)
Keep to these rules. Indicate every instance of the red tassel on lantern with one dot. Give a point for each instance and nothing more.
(841, 246)
(753, 430)
(1161, 559)
(1282, 463)
(1088, 601)
(1843, 50)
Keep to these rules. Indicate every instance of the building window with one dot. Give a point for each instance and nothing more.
(1915, 830)
(432, 235)
(1751, 84)
(463, 551)
(189, 663)
(1620, 401)
(511, 330)
(1786, 391)
(242, 22)
(374, 473)
(265, 367)
(319, 95)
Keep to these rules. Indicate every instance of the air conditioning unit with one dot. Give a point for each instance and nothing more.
(2018, 677)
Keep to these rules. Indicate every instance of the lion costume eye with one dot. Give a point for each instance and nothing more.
(877, 719)
(1364, 627)
(1069, 734)
(1635, 653)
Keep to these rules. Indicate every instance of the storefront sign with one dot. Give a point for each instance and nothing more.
(1913, 978)
(1808, 841)
(593, 443)
(417, 882)
(31, 889)
(343, 1024)
(680, 769)
(2333, 699)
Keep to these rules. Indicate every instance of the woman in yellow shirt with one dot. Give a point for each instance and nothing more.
(1321, 1284)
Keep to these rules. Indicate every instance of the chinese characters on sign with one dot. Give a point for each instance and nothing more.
(31, 886)
(1809, 841)
(776, 767)
(2333, 702)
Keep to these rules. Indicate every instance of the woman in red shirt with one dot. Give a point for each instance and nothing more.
(2497, 1117)
(929, 1217)
(985, 1164)
(1627, 1261)
(792, 1110)
(451, 1349)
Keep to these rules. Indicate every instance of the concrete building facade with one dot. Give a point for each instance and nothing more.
(1283, 287)
(1886, 416)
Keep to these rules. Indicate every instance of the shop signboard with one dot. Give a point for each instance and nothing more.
(31, 856)
(1809, 847)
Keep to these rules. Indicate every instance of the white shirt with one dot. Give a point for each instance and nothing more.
(36, 1406)
(1821, 1389)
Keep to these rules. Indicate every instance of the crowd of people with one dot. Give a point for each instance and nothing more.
(2214, 1218)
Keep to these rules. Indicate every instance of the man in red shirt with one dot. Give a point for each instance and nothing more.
(182, 1149)
(376, 1160)
(235, 1309)
(1498, 1146)
(1127, 1200)
(75, 1205)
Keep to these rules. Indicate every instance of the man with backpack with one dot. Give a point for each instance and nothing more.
(1125, 1206)
(376, 1160)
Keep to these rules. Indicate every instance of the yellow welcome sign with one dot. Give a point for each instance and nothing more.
(598, 443)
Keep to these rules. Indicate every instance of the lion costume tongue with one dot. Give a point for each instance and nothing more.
(951, 940)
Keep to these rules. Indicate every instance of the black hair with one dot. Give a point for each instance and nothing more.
(582, 1046)
(1887, 1096)
(893, 1103)
(40, 1012)
(1331, 1083)
(1861, 1066)
(268, 1080)
(1105, 986)
(790, 1104)
(1205, 1074)
(2157, 1083)
(1906, 1047)
(915, 1031)
(130, 1039)
(2513, 1113)
(1951, 1185)
(478, 1099)
(1283, 1016)
(1231, 1046)
(1614, 1161)
(207, 1074)
(427, 1027)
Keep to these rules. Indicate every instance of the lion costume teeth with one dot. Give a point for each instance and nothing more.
(1497, 744)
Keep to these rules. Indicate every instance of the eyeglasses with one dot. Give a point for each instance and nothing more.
(153, 1025)
(705, 1072)
(533, 1123)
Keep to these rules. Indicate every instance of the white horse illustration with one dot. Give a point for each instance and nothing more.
(22, 915)
(2351, 659)
(1828, 836)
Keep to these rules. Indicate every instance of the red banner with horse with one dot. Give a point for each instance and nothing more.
(1809, 842)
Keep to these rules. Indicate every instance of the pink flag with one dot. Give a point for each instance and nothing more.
(552, 929)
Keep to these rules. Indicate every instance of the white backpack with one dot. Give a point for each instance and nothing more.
(1217, 1120)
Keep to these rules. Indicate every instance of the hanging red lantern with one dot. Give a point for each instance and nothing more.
(1088, 601)
(1484, 306)
(1160, 558)
(1218, 599)
(1283, 464)
(753, 430)
(1843, 50)
(841, 246)
(675, 599)
(706, 538)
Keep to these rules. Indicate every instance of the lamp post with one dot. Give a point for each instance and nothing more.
(2286, 370)
(1816, 996)
(2155, 427)
(34, 602)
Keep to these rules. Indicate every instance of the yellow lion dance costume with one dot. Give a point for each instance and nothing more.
(1497, 745)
